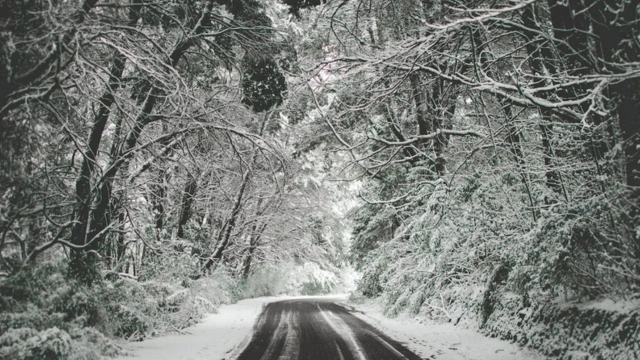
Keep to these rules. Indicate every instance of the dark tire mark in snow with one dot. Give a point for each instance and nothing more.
(318, 330)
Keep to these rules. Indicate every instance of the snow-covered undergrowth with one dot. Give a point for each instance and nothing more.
(464, 253)
(44, 315)
(214, 338)
(598, 330)
(290, 279)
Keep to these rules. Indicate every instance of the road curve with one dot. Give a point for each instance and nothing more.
(313, 329)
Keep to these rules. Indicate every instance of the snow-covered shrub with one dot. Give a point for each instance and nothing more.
(311, 279)
(458, 248)
(91, 338)
(13, 336)
(596, 330)
(427, 256)
(170, 266)
(47, 316)
(217, 289)
(263, 281)
(153, 288)
(128, 305)
(53, 344)
(164, 304)
(130, 322)
(186, 301)
(443, 236)
(288, 278)
(32, 317)
(77, 303)
(356, 297)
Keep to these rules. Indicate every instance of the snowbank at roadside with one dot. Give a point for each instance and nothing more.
(216, 336)
(440, 341)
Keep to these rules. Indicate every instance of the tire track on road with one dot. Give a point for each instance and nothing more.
(318, 330)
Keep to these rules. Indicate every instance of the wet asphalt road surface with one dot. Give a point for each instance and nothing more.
(313, 329)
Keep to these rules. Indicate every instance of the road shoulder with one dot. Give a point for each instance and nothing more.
(432, 340)
(215, 337)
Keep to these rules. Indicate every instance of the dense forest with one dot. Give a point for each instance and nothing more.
(496, 139)
(159, 158)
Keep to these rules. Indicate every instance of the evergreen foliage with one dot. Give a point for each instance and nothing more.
(263, 84)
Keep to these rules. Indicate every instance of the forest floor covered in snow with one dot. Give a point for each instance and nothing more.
(221, 335)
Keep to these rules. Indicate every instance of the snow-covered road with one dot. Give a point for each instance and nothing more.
(225, 334)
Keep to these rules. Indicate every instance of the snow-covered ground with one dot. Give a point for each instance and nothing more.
(222, 335)
(214, 338)
(441, 341)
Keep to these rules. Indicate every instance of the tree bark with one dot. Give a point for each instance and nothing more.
(100, 218)
(82, 264)
(188, 197)
(541, 61)
(158, 194)
(225, 233)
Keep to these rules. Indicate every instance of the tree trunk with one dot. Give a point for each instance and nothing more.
(82, 264)
(119, 245)
(255, 235)
(613, 25)
(542, 62)
(100, 217)
(254, 242)
(188, 196)
(432, 114)
(158, 193)
(225, 233)
(442, 115)
(513, 138)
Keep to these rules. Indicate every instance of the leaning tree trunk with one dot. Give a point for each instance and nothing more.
(188, 197)
(82, 264)
(254, 242)
(99, 220)
(225, 234)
